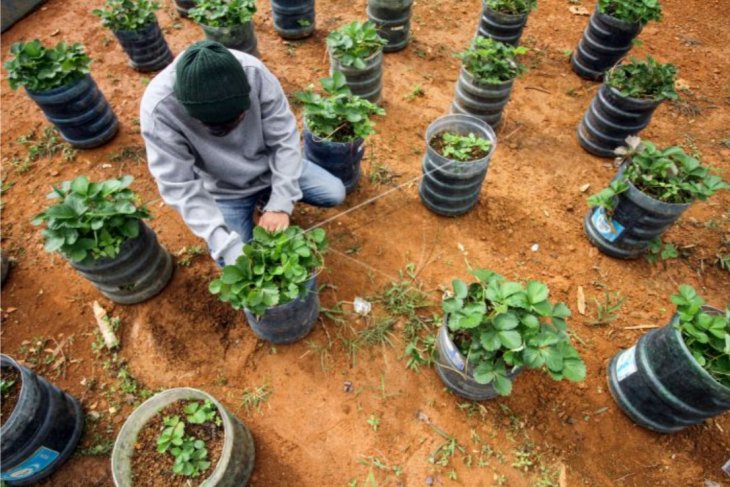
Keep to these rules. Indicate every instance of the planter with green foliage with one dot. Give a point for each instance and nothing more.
(393, 19)
(493, 328)
(356, 50)
(625, 103)
(610, 34)
(228, 22)
(58, 80)
(274, 282)
(209, 445)
(98, 227)
(184, 6)
(293, 19)
(488, 71)
(135, 25)
(678, 375)
(336, 126)
(652, 189)
(504, 20)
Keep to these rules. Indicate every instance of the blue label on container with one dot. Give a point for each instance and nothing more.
(626, 364)
(36, 463)
(608, 228)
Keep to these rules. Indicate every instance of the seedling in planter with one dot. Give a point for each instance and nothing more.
(222, 13)
(127, 15)
(93, 220)
(38, 68)
(492, 62)
(198, 413)
(354, 43)
(190, 453)
(5, 387)
(512, 7)
(647, 79)
(462, 148)
(632, 11)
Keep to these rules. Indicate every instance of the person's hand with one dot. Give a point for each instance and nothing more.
(274, 220)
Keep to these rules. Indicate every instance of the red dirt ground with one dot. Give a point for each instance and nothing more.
(310, 432)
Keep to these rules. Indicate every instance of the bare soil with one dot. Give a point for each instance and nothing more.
(311, 431)
(10, 398)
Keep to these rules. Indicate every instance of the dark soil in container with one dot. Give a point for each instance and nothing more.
(438, 144)
(9, 398)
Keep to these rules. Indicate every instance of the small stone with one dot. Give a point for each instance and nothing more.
(347, 386)
(429, 480)
(535, 247)
(585, 187)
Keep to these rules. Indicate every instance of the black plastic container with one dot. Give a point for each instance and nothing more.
(501, 27)
(290, 322)
(367, 82)
(80, 113)
(485, 101)
(393, 19)
(4, 268)
(42, 431)
(240, 37)
(183, 6)
(448, 187)
(140, 271)
(341, 159)
(293, 19)
(147, 48)
(660, 386)
(605, 41)
(610, 118)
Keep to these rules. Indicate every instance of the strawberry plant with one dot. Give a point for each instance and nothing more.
(499, 325)
(512, 7)
(492, 62)
(222, 13)
(39, 68)
(273, 269)
(647, 79)
(632, 11)
(127, 15)
(340, 116)
(92, 220)
(706, 335)
(461, 147)
(353, 43)
(190, 453)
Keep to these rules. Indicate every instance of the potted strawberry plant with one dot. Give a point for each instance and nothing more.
(393, 20)
(336, 126)
(625, 104)
(651, 190)
(134, 24)
(228, 22)
(494, 328)
(356, 50)
(58, 80)
(274, 281)
(98, 228)
(504, 20)
(458, 151)
(677, 375)
(183, 437)
(488, 71)
(610, 34)
(293, 19)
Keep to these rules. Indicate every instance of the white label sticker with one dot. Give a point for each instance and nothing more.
(608, 228)
(626, 364)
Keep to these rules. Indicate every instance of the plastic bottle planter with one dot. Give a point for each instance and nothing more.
(482, 100)
(288, 322)
(237, 458)
(366, 83)
(451, 366)
(501, 27)
(660, 386)
(293, 19)
(393, 18)
(605, 41)
(42, 431)
(637, 219)
(449, 187)
(240, 37)
(341, 159)
(147, 48)
(79, 111)
(140, 271)
(183, 6)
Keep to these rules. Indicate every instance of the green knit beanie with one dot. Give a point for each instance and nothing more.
(211, 84)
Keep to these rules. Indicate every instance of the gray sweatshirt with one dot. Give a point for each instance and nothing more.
(193, 168)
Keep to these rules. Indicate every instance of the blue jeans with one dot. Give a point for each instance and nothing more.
(319, 188)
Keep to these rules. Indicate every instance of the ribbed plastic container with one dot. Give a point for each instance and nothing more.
(366, 83)
(610, 118)
(4, 268)
(14, 10)
(501, 27)
(660, 386)
(341, 159)
(393, 18)
(449, 187)
(605, 41)
(290, 322)
(482, 100)
(183, 6)
(240, 37)
(140, 271)
(237, 458)
(147, 48)
(293, 19)
(42, 431)
(80, 112)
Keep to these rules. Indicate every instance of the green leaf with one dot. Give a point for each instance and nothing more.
(460, 288)
(231, 274)
(537, 292)
(574, 370)
(502, 385)
(510, 339)
(506, 321)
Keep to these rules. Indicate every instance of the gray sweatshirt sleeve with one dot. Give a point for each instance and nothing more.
(171, 163)
(281, 137)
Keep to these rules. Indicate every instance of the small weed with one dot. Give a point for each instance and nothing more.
(691, 144)
(378, 333)
(187, 254)
(524, 458)
(135, 153)
(145, 81)
(416, 92)
(567, 53)
(5, 186)
(291, 48)
(374, 422)
(572, 92)
(420, 352)
(105, 41)
(659, 250)
(607, 311)
(335, 314)
(725, 143)
(499, 479)
(255, 398)
(324, 352)
(381, 174)
(47, 146)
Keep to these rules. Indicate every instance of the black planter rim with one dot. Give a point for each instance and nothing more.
(507, 16)
(93, 264)
(7, 361)
(474, 165)
(618, 23)
(319, 140)
(369, 61)
(60, 89)
(406, 3)
(310, 282)
(130, 33)
(472, 79)
(223, 27)
(643, 102)
(645, 200)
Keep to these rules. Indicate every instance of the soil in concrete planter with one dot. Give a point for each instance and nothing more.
(9, 399)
